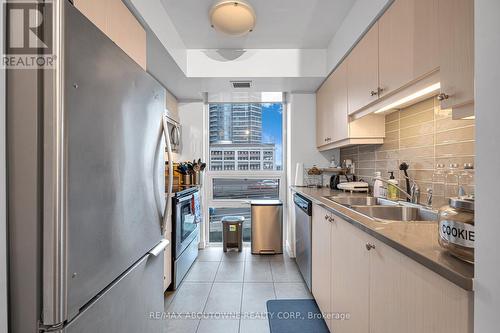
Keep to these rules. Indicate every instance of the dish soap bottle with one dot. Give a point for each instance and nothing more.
(377, 186)
(392, 190)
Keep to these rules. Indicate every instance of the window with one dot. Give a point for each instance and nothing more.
(245, 149)
(246, 131)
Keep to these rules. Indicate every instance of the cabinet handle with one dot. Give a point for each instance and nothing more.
(331, 219)
(369, 246)
(442, 96)
(380, 91)
(326, 217)
(373, 93)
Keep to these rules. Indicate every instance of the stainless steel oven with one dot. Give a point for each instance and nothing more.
(185, 235)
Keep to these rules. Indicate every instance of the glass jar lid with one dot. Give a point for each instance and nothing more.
(466, 203)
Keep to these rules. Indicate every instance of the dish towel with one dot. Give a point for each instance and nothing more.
(196, 207)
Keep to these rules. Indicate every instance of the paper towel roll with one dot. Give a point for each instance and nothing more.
(299, 174)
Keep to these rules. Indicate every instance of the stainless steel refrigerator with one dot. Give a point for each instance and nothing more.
(86, 188)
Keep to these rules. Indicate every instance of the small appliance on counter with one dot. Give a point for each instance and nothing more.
(339, 178)
(456, 228)
(354, 187)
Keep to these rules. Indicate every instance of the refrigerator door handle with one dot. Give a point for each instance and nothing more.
(155, 251)
(168, 206)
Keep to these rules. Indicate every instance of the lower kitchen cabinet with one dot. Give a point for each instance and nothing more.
(321, 261)
(380, 289)
(408, 297)
(350, 275)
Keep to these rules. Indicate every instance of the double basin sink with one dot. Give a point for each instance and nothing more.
(383, 210)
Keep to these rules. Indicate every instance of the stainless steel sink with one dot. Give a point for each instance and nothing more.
(397, 213)
(360, 201)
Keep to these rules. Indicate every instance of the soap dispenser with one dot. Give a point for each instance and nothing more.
(392, 190)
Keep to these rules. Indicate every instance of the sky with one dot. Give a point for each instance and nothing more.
(272, 127)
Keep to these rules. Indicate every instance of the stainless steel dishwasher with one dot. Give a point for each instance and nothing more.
(303, 228)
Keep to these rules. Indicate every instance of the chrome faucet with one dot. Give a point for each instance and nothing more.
(429, 197)
(414, 190)
(414, 194)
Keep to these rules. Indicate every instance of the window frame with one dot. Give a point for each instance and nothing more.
(211, 174)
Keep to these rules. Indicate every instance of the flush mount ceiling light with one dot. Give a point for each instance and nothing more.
(236, 18)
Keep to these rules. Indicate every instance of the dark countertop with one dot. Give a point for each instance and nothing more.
(417, 240)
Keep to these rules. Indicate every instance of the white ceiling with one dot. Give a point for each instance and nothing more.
(281, 24)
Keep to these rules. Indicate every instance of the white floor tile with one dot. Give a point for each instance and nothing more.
(230, 271)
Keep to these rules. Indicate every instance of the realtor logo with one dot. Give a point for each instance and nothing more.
(29, 35)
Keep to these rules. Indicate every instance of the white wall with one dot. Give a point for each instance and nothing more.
(487, 77)
(3, 199)
(301, 147)
(256, 63)
(359, 18)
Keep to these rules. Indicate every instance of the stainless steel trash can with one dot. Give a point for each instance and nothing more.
(232, 230)
(267, 226)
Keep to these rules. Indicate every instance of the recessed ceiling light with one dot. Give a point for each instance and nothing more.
(236, 18)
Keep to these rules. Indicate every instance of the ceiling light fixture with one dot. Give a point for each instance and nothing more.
(236, 18)
(413, 98)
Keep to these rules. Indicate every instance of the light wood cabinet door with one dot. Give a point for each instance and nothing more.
(321, 260)
(350, 277)
(362, 71)
(407, 297)
(456, 50)
(324, 113)
(408, 43)
(126, 31)
(396, 30)
(114, 19)
(425, 37)
(320, 105)
(340, 129)
(95, 11)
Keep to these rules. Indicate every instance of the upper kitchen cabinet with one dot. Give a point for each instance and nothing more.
(334, 128)
(407, 43)
(362, 71)
(114, 19)
(324, 113)
(331, 105)
(456, 53)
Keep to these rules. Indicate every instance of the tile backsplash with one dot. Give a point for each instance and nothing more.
(421, 135)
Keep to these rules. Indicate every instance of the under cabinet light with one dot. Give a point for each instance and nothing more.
(426, 92)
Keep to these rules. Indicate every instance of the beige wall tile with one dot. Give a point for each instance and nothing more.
(392, 117)
(392, 126)
(417, 141)
(391, 136)
(421, 135)
(421, 129)
(455, 149)
(456, 135)
(419, 118)
(448, 123)
(411, 153)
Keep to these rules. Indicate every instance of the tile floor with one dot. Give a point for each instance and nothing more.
(227, 292)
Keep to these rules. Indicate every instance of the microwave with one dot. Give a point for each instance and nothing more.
(174, 130)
